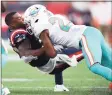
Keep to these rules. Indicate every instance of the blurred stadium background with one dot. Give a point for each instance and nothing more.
(25, 80)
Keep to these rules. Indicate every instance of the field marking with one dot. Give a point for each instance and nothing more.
(30, 80)
(16, 79)
(40, 87)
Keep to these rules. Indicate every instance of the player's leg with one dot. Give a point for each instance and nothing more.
(58, 78)
(106, 57)
(59, 83)
(91, 47)
(5, 90)
(4, 54)
(57, 72)
(60, 67)
(106, 54)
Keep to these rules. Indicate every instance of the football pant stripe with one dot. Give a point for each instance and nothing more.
(86, 48)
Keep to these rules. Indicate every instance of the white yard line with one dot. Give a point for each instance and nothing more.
(29, 80)
(47, 87)
(16, 80)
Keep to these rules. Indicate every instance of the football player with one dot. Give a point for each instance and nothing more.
(4, 57)
(4, 51)
(58, 30)
(27, 46)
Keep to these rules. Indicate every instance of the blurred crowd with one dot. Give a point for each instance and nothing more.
(94, 13)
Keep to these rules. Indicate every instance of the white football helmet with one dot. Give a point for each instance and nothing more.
(36, 16)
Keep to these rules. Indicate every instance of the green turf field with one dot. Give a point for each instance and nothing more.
(22, 79)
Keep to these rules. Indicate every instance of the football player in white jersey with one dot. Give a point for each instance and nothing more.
(58, 30)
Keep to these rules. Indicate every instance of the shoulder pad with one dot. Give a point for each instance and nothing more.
(17, 36)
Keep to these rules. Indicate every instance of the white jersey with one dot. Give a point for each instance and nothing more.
(62, 31)
(53, 62)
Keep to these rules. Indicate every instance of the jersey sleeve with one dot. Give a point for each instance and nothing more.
(17, 36)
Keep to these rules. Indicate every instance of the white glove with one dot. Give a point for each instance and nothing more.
(28, 58)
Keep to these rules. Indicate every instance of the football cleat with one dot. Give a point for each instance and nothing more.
(5, 91)
(60, 88)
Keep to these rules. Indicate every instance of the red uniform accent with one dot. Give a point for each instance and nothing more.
(79, 58)
(87, 50)
(78, 53)
(14, 33)
(110, 86)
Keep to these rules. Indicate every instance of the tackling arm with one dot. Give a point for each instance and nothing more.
(25, 50)
(48, 47)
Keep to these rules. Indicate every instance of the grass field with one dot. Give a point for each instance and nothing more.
(22, 79)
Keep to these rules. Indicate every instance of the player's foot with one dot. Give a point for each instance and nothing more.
(110, 86)
(5, 91)
(59, 88)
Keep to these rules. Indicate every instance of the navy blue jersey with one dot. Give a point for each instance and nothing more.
(18, 36)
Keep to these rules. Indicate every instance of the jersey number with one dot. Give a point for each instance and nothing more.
(63, 27)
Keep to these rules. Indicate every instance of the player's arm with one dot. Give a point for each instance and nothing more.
(48, 47)
(19, 39)
(25, 50)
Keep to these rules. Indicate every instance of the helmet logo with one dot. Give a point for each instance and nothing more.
(34, 12)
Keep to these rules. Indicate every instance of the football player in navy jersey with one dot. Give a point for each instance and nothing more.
(27, 47)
